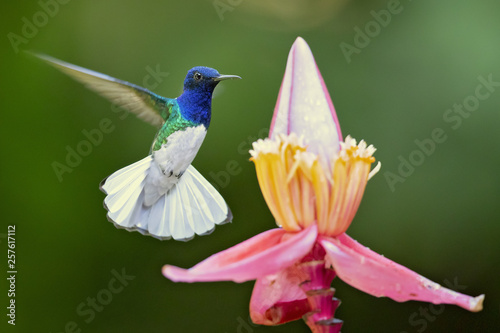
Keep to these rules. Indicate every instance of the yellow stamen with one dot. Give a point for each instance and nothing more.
(300, 189)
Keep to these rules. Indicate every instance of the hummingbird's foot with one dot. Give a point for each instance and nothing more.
(170, 173)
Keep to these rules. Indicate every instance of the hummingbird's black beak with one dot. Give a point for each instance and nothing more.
(226, 77)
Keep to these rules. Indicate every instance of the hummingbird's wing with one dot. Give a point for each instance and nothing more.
(147, 105)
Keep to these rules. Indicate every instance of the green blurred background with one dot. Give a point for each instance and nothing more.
(442, 221)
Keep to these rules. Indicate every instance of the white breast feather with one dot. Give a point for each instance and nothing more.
(171, 160)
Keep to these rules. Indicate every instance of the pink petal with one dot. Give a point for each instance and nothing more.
(376, 275)
(261, 255)
(278, 299)
(304, 105)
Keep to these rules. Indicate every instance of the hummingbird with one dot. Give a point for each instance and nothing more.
(162, 195)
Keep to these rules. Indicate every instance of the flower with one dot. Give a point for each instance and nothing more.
(313, 182)
(301, 191)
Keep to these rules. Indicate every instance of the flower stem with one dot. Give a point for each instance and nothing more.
(321, 319)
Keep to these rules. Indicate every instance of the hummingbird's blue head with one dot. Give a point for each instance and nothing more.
(204, 79)
(196, 100)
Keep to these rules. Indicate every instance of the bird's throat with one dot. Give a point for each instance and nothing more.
(196, 106)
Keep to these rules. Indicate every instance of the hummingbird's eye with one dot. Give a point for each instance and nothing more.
(197, 76)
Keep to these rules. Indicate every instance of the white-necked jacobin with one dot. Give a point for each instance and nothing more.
(162, 195)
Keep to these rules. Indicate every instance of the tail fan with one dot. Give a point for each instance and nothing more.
(192, 206)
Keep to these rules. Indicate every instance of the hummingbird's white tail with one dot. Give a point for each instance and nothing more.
(192, 206)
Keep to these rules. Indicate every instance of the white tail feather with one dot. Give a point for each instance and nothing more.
(192, 206)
